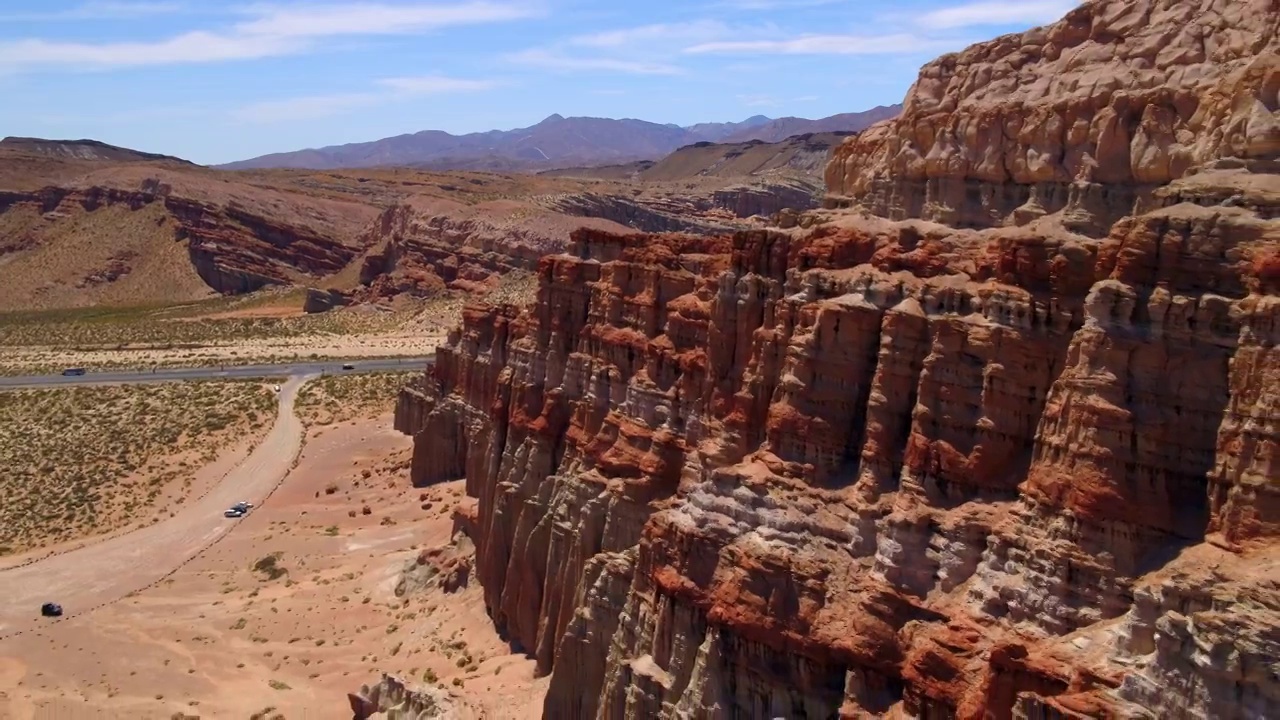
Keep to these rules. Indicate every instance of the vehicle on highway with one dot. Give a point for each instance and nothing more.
(234, 513)
(51, 610)
(69, 372)
(348, 366)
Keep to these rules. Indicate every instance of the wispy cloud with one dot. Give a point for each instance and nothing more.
(557, 60)
(629, 51)
(269, 31)
(643, 37)
(434, 85)
(194, 47)
(386, 90)
(1025, 12)
(100, 10)
(313, 21)
(774, 4)
(900, 43)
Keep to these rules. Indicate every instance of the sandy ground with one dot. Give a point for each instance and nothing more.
(218, 640)
(104, 572)
(246, 351)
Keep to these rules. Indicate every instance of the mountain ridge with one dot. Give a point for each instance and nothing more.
(555, 142)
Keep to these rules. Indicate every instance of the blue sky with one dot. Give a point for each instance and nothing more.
(221, 80)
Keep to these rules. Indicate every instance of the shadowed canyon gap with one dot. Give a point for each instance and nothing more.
(997, 436)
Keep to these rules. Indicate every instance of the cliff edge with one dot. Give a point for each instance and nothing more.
(1084, 118)
(895, 466)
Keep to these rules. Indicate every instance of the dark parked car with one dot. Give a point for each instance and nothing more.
(348, 366)
(51, 610)
(73, 371)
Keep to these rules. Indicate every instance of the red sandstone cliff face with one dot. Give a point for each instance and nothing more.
(715, 477)
(1084, 117)
(422, 253)
(895, 469)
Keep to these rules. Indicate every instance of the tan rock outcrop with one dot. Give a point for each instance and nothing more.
(1085, 117)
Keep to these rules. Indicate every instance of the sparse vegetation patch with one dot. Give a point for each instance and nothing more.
(349, 397)
(87, 460)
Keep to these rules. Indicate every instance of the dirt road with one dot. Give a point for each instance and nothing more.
(98, 574)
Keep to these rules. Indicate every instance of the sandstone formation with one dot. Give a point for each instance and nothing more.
(854, 473)
(425, 250)
(766, 198)
(391, 698)
(1085, 117)
(671, 214)
(886, 467)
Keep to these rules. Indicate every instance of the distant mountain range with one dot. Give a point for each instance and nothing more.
(556, 142)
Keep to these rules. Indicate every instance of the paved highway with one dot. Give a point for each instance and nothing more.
(224, 372)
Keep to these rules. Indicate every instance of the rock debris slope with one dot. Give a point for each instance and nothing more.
(888, 467)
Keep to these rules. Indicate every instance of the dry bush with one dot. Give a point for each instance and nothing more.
(349, 397)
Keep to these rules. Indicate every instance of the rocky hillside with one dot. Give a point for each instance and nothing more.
(798, 156)
(1083, 119)
(890, 467)
(146, 233)
(123, 228)
(83, 150)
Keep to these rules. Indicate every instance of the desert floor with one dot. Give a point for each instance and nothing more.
(219, 639)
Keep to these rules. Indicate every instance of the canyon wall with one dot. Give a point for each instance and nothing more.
(849, 473)
(1009, 450)
(233, 249)
(1085, 117)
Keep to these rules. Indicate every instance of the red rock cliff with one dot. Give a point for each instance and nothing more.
(892, 468)
(1086, 116)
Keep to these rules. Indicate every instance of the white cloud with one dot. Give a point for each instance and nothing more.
(271, 31)
(773, 4)
(194, 47)
(374, 18)
(645, 35)
(900, 43)
(1025, 12)
(389, 89)
(555, 60)
(629, 51)
(99, 10)
(434, 84)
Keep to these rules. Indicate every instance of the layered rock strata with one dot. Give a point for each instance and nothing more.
(899, 468)
(1085, 117)
(233, 249)
(859, 473)
(422, 253)
(667, 214)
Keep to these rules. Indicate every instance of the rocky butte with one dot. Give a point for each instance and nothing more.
(998, 439)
